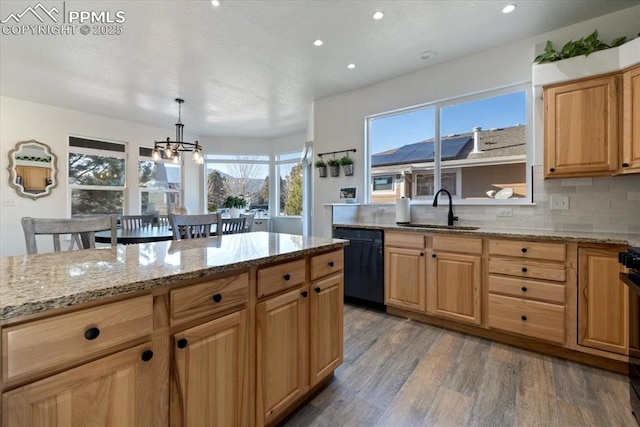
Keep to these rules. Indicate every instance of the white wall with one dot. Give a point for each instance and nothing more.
(339, 121)
(23, 120)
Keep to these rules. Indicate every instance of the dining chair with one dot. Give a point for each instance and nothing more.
(195, 226)
(163, 220)
(136, 221)
(82, 231)
(233, 225)
(248, 225)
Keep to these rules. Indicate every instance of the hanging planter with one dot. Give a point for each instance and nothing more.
(322, 168)
(334, 167)
(347, 165)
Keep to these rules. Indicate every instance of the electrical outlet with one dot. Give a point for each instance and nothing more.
(9, 203)
(559, 202)
(504, 212)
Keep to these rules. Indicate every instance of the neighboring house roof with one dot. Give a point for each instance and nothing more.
(510, 141)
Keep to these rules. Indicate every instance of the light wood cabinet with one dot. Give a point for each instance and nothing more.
(282, 351)
(112, 391)
(454, 284)
(602, 301)
(631, 121)
(34, 178)
(405, 278)
(211, 382)
(325, 327)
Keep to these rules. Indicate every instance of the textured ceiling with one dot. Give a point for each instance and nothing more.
(248, 68)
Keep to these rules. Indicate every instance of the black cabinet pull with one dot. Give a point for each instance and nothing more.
(317, 289)
(524, 250)
(147, 355)
(524, 269)
(552, 170)
(182, 343)
(286, 276)
(421, 253)
(330, 263)
(625, 165)
(524, 318)
(91, 333)
(217, 298)
(434, 256)
(304, 294)
(524, 289)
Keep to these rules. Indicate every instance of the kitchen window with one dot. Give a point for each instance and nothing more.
(290, 188)
(97, 176)
(160, 184)
(474, 146)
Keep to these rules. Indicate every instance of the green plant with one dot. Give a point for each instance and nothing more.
(320, 164)
(333, 162)
(212, 207)
(346, 160)
(584, 46)
(235, 202)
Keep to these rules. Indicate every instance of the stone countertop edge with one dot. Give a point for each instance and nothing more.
(629, 239)
(40, 306)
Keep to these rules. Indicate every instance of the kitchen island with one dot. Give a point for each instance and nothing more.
(234, 330)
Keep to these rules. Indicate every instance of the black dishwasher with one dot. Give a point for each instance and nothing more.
(363, 266)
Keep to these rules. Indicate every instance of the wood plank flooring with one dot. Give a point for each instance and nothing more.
(398, 372)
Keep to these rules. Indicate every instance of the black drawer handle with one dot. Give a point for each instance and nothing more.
(304, 294)
(524, 250)
(147, 355)
(552, 170)
(182, 343)
(91, 333)
(524, 289)
(286, 276)
(625, 165)
(524, 318)
(317, 289)
(217, 298)
(524, 269)
(434, 256)
(330, 263)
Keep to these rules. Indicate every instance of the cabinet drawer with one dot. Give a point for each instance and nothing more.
(209, 297)
(526, 268)
(325, 264)
(404, 240)
(522, 249)
(44, 344)
(545, 291)
(280, 277)
(467, 245)
(531, 318)
(260, 225)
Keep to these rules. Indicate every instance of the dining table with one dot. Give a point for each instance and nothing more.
(128, 236)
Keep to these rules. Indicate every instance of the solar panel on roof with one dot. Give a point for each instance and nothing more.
(421, 152)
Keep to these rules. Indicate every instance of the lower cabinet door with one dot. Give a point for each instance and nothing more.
(211, 383)
(113, 391)
(405, 278)
(282, 352)
(325, 327)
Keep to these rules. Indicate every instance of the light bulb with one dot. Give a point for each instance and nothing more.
(196, 155)
(156, 154)
(168, 153)
(176, 158)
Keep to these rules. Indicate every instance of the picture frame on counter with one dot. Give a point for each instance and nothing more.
(348, 194)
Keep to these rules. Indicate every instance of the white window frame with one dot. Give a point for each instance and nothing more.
(443, 103)
(414, 187)
(278, 163)
(394, 185)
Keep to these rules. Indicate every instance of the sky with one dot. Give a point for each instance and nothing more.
(406, 128)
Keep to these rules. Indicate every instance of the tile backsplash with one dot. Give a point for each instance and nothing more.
(604, 204)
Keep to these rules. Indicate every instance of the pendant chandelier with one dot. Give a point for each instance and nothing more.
(172, 149)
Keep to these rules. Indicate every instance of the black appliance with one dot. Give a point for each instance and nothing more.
(631, 260)
(363, 266)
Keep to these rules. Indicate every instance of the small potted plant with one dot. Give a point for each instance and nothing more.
(334, 167)
(322, 168)
(347, 165)
(235, 204)
(212, 207)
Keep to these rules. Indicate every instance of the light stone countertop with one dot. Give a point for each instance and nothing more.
(35, 283)
(526, 234)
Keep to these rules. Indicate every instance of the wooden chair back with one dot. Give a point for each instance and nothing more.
(195, 226)
(233, 225)
(82, 231)
(136, 221)
(248, 225)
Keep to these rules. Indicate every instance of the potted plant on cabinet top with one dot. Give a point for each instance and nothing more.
(334, 167)
(235, 205)
(347, 165)
(322, 168)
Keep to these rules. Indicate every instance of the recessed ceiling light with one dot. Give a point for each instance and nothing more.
(351, 66)
(378, 15)
(509, 8)
(215, 3)
(428, 54)
(318, 42)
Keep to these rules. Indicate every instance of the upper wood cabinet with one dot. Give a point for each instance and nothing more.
(631, 121)
(581, 127)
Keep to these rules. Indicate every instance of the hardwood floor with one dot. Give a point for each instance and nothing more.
(398, 372)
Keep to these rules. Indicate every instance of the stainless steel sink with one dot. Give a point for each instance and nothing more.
(442, 227)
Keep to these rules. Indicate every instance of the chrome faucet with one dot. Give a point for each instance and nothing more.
(450, 217)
